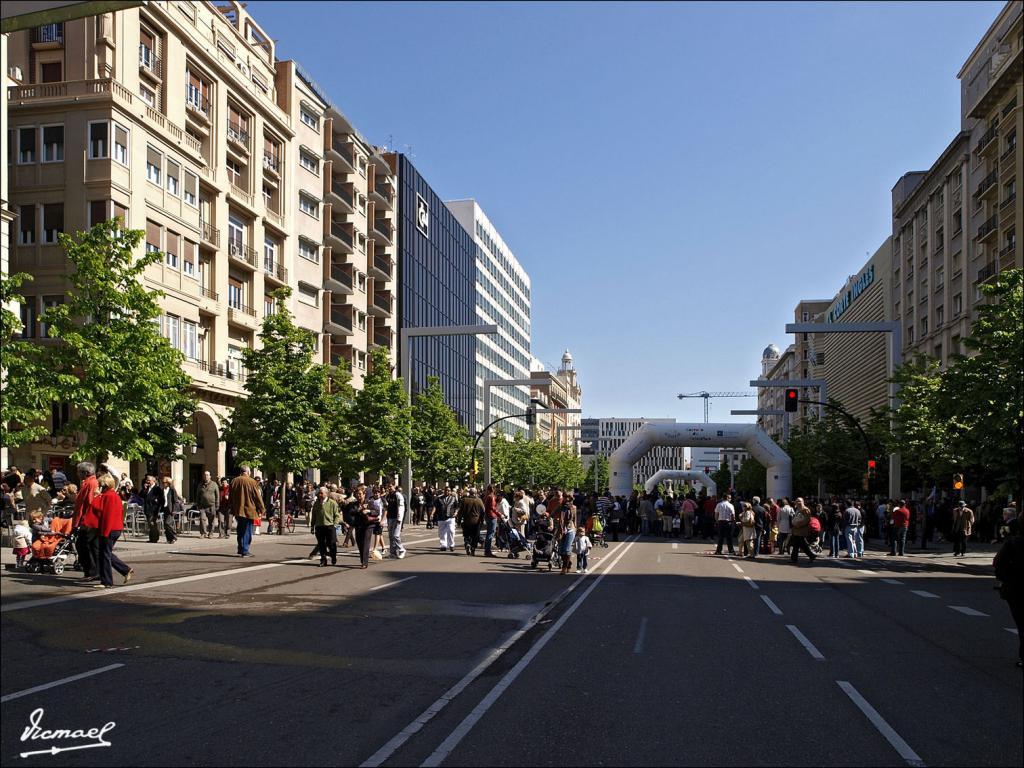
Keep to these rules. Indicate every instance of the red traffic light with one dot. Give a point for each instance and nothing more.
(791, 400)
(871, 463)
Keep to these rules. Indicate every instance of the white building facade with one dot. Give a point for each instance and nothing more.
(502, 298)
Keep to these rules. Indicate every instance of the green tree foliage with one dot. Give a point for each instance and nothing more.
(340, 454)
(440, 445)
(128, 394)
(750, 480)
(25, 390)
(530, 463)
(381, 419)
(831, 450)
(279, 425)
(923, 432)
(597, 476)
(722, 479)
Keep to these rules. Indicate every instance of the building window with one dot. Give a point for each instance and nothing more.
(53, 221)
(236, 235)
(361, 281)
(236, 294)
(154, 159)
(188, 340)
(53, 143)
(309, 162)
(148, 95)
(152, 237)
(309, 206)
(51, 72)
(121, 213)
(49, 302)
(173, 176)
(188, 258)
(924, 327)
(309, 251)
(27, 230)
(361, 360)
(29, 316)
(121, 144)
(98, 212)
(269, 254)
(958, 304)
(234, 173)
(940, 316)
(268, 306)
(173, 240)
(361, 321)
(26, 145)
(238, 126)
(309, 295)
(172, 330)
(98, 140)
(309, 119)
(910, 334)
(197, 93)
(190, 187)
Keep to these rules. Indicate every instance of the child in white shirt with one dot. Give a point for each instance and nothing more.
(22, 543)
(582, 546)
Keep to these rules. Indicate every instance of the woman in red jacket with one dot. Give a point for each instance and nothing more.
(109, 510)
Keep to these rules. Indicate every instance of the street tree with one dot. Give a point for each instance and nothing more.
(750, 480)
(124, 381)
(597, 476)
(25, 388)
(279, 425)
(340, 454)
(439, 444)
(722, 478)
(381, 419)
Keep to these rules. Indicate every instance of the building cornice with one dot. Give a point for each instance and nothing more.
(961, 138)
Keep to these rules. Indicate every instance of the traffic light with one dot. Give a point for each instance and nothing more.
(531, 415)
(958, 482)
(791, 400)
(871, 468)
(476, 468)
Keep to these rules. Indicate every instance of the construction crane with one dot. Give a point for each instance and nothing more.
(708, 395)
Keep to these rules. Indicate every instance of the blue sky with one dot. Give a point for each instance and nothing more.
(674, 177)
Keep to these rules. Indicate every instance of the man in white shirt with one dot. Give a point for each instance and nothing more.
(725, 515)
(504, 508)
(785, 525)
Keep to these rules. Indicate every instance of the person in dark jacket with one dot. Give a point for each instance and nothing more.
(471, 513)
(1009, 566)
(170, 502)
(153, 501)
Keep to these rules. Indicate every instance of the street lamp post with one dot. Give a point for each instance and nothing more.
(406, 362)
(553, 411)
(488, 383)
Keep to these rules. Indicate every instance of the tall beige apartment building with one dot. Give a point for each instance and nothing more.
(955, 225)
(557, 389)
(177, 117)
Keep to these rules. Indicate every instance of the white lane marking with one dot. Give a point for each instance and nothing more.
(966, 611)
(866, 571)
(456, 736)
(148, 585)
(751, 582)
(675, 546)
(815, 653)
(774, 608)
(396, 742)
(892, 581)
(736, 567)
(391, 583)
(909, 755)
(55, 683)
(922, 593)
(659, 558)
(1013, 630)
(638, 647)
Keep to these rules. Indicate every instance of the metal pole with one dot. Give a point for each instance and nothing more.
(488, 383)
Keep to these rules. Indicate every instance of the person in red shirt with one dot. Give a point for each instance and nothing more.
(900, 524)
(491, 512)
(108, 510)
(87, 541)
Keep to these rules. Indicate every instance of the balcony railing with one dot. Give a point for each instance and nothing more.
(223, 369)
(243, 309)
(383, 226)
(987, 271)
(1007, 153)
(985, 184)
(386, 191)
(341, 275)
(211, 234)
(382, 301)
(986, 139)
(48, 33)
(342, 150)
(195, 100)
(343, 193)
(987, 228)
(276, 271)
(210, 293)
(341, 316)
(342, 234)
(382, 263)
(1009, 106)
(242, 253)
(382, 338)
(1006, 249)
(1008, 201)
(271, 161)
(149, 60)
(238, 133)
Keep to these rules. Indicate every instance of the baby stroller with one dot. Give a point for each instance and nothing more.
(597, 530)
(51, 552)
(545, 551)
(514, 541)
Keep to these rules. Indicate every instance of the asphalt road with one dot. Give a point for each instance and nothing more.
(662, 655)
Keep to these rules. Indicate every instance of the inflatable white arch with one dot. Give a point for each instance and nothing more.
(779, 480)
(681, 474)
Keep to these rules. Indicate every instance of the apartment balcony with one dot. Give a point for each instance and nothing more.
(1005, 160)
(275, 220)
(150, 65)
(1007, 250)
(242, 254)
(47, 36)
(341, 354)
(381, 267)
(339, 238)
(988, 229)
(238, 136)
(242, 196)
(1007, 204)
(275, 271)
(338, 279)
(230, 370)
(987, 185)
(197, 106)
(384, 195)
(382, 337)
(340, 196)
(338, 319)
(242, 315)
(987, 140)
(340, 153)
(380, 306)
(210, 301)
(210, 235)
(987, 271)
(272, 164)
(382, 231)
(1004, 73)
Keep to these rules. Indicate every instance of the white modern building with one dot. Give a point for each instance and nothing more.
(502, 298)
(705, 459)
(612, 433)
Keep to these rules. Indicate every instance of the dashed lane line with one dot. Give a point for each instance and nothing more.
(391, 583)
(751, 582)
(909, 755)
(740, 570)
(638, 647)
(771, 605)
(967, 611)
(802, 639)
(923, 593)
(897, 582)
(1012, 630)
(55, 683)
